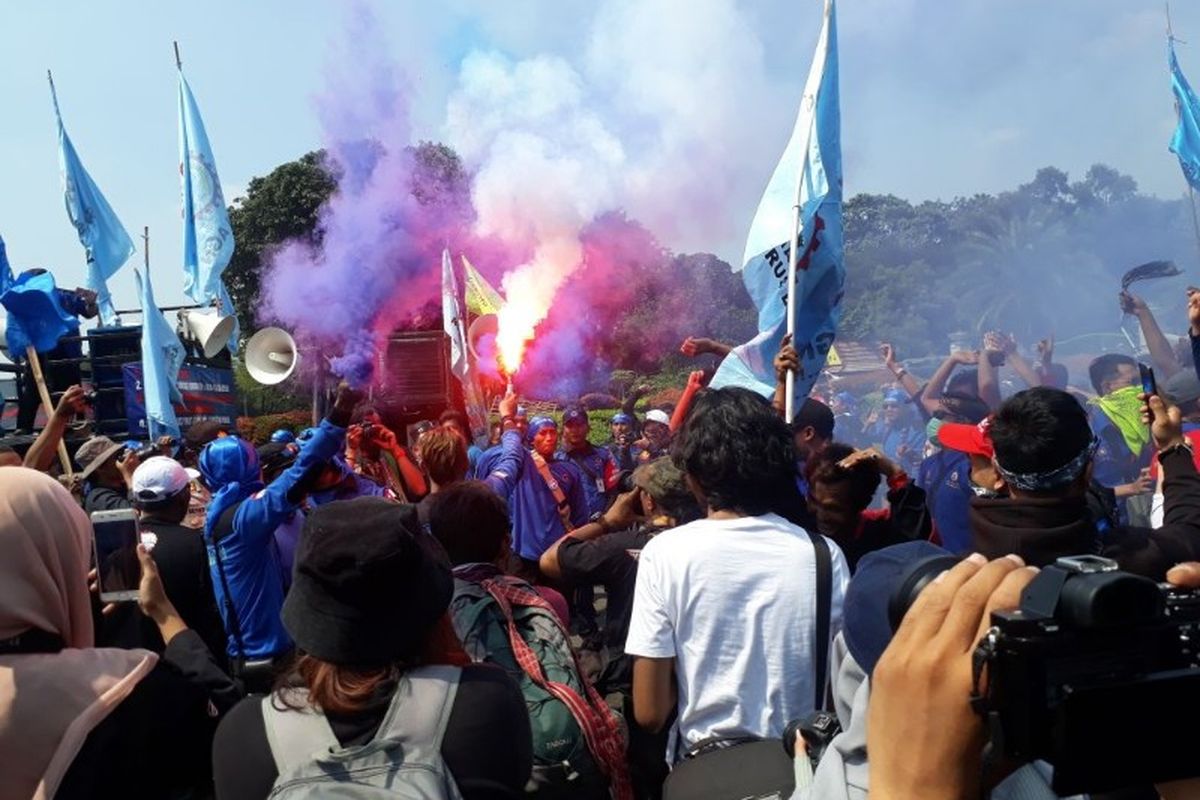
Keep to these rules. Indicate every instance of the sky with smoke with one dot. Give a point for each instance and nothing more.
(674, 111)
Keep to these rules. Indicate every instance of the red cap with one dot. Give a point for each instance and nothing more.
(973, 440)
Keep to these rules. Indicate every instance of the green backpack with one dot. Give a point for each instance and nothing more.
(563, 763)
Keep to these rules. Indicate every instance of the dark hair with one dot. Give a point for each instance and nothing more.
(663, 481)
(457, 417)
(1039, 430)
(444, 456)
(957, 407)
(964, 382)
(470, 520)
(814, 414)
(862, 479)
(1104, 368)
(738, 451)
(1056, 375)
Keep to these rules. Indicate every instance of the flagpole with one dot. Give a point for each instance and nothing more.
(178, 60)
(35, 366)
(794, 254)
(1191, 192)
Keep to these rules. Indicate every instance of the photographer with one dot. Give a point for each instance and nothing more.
(107, 472)
(1044, 453)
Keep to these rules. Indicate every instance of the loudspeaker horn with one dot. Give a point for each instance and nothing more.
(208, 329)
(482, 326)
(271, 356)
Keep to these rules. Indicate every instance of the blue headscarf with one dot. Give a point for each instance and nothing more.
(537, 424)
(895, 396)
(231, 470)
(283, 436)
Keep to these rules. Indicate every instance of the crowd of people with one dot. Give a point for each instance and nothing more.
(704, 607)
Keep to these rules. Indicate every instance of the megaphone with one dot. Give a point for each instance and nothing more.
(210, 330)
(484, 325)
(271, 356)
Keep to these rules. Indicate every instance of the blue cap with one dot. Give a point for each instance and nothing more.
(132, 444)
(621, 416)
(866, 625)
(895, 396)
(538, 424)
(575, 414)
(283, 436)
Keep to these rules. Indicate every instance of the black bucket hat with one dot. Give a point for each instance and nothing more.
(366, 590)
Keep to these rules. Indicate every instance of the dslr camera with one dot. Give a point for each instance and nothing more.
(1096, 674)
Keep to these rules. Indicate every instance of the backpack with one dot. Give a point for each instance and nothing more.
(578, 746)
(403, 760)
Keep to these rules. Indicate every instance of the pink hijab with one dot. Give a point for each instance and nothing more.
(49, 703)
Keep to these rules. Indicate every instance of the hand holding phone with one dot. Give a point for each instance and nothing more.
(1149, 385)
(114, 545)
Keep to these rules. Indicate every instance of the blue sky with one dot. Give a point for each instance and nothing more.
(939, 97)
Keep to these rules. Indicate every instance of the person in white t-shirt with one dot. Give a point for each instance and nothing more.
(727, 605)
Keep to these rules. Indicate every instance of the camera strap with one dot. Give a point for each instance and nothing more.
(824, 613)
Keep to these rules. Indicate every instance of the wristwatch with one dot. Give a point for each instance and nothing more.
(1184, 445)
(900, 373)
(598, 519)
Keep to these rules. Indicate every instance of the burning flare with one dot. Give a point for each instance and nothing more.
(529, 290)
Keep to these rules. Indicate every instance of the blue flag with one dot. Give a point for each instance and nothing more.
(35, 314)
(207, 234)
(105, 241)
(6, 276)
(162, 356)
(1185, 143)
(809, 175)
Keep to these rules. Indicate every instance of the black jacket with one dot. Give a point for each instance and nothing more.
(1043, 529)
(157, 743)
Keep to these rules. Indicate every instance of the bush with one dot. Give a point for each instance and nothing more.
(598, 400)
(259, 429)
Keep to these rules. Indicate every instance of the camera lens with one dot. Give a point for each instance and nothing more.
(919, 575)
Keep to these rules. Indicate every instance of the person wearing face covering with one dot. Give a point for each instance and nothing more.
(77, 721)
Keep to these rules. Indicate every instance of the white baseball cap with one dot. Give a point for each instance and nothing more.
(157, 479)
(655, 415)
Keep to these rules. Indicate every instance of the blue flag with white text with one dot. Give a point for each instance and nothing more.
(808, 175)
(1185, 143)
(105, 241)
(207, 234)
(162, 356)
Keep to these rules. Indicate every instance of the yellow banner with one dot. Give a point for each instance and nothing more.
(481, 297)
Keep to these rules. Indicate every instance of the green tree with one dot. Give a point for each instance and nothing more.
(284, 205)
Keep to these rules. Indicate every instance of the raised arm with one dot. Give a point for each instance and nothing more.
(695, 384)
(898, 370)
(989, 377)
(631, 400)
(1162, 355)
(931, 397)
(41, 453)
(695, 346)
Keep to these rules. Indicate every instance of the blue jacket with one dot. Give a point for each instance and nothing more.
(536, 523)
(599, 471)
(250, 558)
(946, 478)
(504, 463)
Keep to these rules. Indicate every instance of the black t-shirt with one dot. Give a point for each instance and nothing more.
(488, 746)
(610, 560)
(182, 561)
(102, 498)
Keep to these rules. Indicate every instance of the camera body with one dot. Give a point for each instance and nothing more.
(818, 729)
(1088, 674)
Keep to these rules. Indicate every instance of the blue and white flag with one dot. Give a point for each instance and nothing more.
(809, 175)
(207, 234)
(1185, 143)
(452, 321)
(6, 274)
(162, 356)
(105, 241)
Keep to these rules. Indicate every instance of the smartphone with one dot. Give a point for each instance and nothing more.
(114, 545)
(1149, 385)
